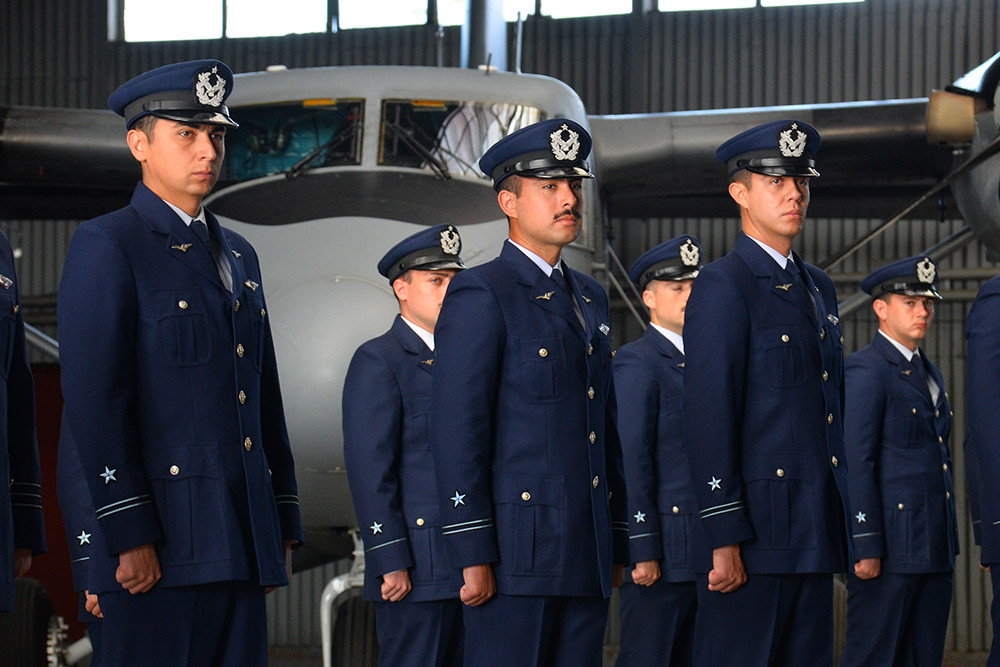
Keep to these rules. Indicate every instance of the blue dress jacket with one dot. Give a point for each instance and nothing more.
(387, 398)
(172, 397)
(902, 494)
(663, 512)
(21, 524)
(763, 417)
(528, 459)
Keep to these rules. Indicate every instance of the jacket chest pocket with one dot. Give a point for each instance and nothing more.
(784, 355)
(417, 410)
(182, 327)
(542, 368)
(7, 323)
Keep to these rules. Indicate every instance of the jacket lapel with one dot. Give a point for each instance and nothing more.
(780, 282)
(539, 288)
(412, 344)
(674, 357)
(901, 368)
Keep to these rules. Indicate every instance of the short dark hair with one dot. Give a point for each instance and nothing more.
(146, 124)
(743, 176)
(511, 183)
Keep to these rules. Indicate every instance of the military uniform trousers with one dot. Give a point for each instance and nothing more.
(419, 634)
(773, 620)
(913, 610)
(220, 624)
(657, 624)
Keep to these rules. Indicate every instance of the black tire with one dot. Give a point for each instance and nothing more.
(23, 633)
(354, 640)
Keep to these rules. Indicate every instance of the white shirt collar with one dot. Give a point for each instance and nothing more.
(674, 338)
(539, 262)
(905, 351)
(424, 334)
(775, 255)
(185, 217)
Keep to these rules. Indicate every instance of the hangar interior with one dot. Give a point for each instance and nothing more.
(58, 53)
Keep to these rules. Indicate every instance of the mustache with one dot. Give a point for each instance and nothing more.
(574, 212)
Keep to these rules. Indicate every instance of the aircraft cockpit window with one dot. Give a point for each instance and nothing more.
(293, 137)
(446, 138)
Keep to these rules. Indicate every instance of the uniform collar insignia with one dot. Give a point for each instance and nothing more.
(833, 318)
(564, 149)
(429, 362)
(604, 329)
(785, 287)
(586, 300)
(680, 365)
(546, 296)
(236, 254)
(906, 372)
(183, 247)
(5, 281)
(252, 285)
(208, 93)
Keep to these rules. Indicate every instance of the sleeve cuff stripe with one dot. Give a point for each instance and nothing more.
(465, 530)
(867, 534)
(287, 496)
(467, 523)
(287, 502)
(708, 515)
(122, 502)
(32, 484)
(385, 544)
(102, 515)
(31, 505)
(80, 560)
(635, 537)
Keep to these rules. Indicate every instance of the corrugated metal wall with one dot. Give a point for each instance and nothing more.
(56, 53)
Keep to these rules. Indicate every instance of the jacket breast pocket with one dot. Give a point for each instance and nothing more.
(417, 412)
(542, 368)
(183, 328)
(187, 487)
(784, 355)
(7, 322)
(531, 523)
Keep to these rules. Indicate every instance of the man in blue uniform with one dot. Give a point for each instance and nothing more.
(763, 422)
(896, 427)
(22, 533)
(390, 468)
(172, 397)
(658, 597)
(522, 421)
(982, 334)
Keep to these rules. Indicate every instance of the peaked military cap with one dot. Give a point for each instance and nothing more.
(555, 148)
(676, 259)
(427, 250)
(779, 148)
(913, 276)
(194, 91)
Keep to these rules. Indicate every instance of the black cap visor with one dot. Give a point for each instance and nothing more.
(906, 289)
(671, 270)
(775, 166)
(179, 106)
(425, 259)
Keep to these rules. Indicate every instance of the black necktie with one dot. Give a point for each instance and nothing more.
(918, 364)
(201, 231)
(793, 270)
(560, 280)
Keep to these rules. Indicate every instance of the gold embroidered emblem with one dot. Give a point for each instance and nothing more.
(546, 296)
(182, 247)
(785, 287)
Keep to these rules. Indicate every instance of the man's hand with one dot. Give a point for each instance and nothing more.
(728, 573)
(22, 562)
(92, 605)
(396, 585)
(138, 569)
(480, 584)
(646, 573)
(617, 575)
(868, 568)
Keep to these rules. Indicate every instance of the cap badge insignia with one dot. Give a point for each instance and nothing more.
(450, 240)
(690, 254)
(565, 149)
(208, 93)
(926, 271)
(5, 281)
(792, 146)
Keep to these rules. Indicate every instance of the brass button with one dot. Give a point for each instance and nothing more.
(17, 308)
(947, 495)
(236, 306)
(834, 461)
(590, 349)
(263, 312)
(239, 350)
(182, 304)
(914, 411)
(675, 509)
(593, 437)
(945, 467)
(829, 418)
(248, 444)
(841, 340)
(613, 353)
(543, 352)
(525, 496)
(822, 334)
(900, 506)
(243, 397)
(597, 481)
(951, 413)
(420, 522)
(174, 470)
(826, 376)
(937, 413)
(780, 472)
(590, 392)
(940, 439)
(784, 338)
(946, 395)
